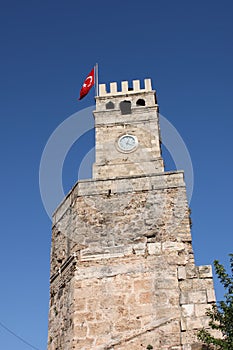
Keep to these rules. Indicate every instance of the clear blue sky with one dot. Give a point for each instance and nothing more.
(47, 48)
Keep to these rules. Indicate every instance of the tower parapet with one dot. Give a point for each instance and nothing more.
(110, 96)
(125, 89)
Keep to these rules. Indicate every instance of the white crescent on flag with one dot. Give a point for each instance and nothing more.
(88, 81)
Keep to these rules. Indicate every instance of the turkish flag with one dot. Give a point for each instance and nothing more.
(88, 83)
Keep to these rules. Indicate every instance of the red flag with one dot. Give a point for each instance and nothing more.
(88, 83)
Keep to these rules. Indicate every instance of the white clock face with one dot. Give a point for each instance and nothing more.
(127, 143)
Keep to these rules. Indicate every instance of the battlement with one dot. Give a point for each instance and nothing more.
(125, 88)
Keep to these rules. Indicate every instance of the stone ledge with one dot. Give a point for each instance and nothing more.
(117, 185)
(132, 119)
(125, 266)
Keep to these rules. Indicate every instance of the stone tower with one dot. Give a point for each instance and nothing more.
(123, 275)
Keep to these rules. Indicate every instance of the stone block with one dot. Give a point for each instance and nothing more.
(204, 321)
(169, 339)
(173, 246)
(184, 237)
(166, 283)
(191, 271)
(200, 309)
(183, 324)
(187, 310)
(98, 328)
(193, 323)
(181, 272)
(188, 337)
(139, 248)
(145, 298)
(186, 285)
(160, 297)
(202, 283)
(171, 327)
(198, 297)
(154, 248)
(210, 295)
(141, 310)
(184, 297)
(142, 284)
(205, 271)
(125, 325)
(167, 312)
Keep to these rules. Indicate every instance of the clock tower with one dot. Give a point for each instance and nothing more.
(127, 131)
(123, 274)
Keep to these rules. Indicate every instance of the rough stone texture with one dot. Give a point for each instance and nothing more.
(122, 268)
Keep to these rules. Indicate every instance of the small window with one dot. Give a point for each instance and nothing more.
(110, 105)
(140, 102)
(125, 107)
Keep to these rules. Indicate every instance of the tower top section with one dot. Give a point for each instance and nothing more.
(109, 97)
(125, 89)
(127, 131)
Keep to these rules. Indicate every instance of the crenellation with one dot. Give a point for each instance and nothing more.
(102, 90)
(148, 86)
(124, 88)
(113, 88)
(136, 85)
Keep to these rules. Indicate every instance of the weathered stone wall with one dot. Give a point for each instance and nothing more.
(62, 308)
(132, 279)
(115, 217)
(126, 301)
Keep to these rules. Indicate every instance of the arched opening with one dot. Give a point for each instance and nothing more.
(140, 102)
(125, 107)
(110, 105)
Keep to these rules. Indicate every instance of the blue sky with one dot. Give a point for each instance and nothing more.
(47, 48)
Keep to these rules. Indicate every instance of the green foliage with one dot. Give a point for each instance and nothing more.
(221, 314)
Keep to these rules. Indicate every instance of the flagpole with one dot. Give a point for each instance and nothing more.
(96, 80)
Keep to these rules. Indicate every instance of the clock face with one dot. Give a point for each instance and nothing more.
(127, 143)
